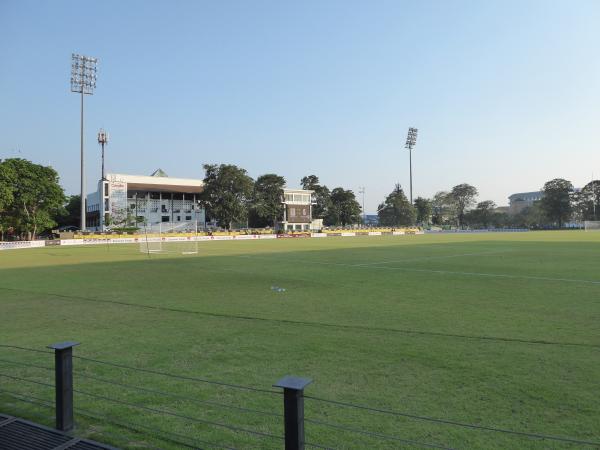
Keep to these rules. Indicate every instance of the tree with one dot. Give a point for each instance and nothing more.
(7, 180)
(442, 207)
(344, 209)
(36, 196)
(322, 195)
(556, 202)
(268, 192)
(529, 217)
(396, 210)
(69, 214)
(463, 196)
(227, 193)
(590, 196)
(423, 209)
(482, 215)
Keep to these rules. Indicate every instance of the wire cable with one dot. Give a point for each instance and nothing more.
(309, 444)
(48, 405)
(181, 416)
(131, 426)
(41, 383)
(460, 424)
(128, 425)
(18, 363)
(377, 435)
(26, 348)
(179, 377)
(181, 397)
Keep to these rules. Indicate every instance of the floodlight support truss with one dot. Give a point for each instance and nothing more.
(83, 81)
(411, 141)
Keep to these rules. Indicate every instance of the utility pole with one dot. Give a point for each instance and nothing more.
(361, 190)
(103, 140)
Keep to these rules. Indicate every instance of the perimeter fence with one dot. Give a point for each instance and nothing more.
(134, 406)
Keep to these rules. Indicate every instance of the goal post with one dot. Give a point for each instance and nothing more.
(170, 237)
(592, 225)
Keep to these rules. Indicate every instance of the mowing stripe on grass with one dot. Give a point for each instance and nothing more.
(307, 323)
(427, 258)
(441, 272)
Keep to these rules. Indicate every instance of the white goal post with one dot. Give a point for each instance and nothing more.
(170, 237)
(592, 225)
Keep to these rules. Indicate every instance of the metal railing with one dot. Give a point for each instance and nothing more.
(292, 417)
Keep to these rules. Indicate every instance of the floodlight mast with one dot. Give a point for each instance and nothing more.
(83, 81)
(411, 141)
(102, 140)
(361, 190)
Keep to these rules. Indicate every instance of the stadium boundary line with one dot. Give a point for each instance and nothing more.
(307, 323)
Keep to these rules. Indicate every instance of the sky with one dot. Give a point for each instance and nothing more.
(505, 94)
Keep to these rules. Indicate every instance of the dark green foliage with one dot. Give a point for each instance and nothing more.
(423, 208)
(36, 196)
(266, 203)
(441, 208)
(322, 196)
(396, 210)
(7, 182)
(482, 215)
(227, 193)
(463, 197)
(69, 214)
(344, 209)
(556, 203)
(586, 203)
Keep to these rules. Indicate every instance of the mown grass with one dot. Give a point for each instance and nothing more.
(500, 330)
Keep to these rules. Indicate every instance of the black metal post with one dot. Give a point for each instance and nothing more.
(293, 410)
(63, 372)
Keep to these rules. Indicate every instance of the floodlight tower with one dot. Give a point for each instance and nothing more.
(83, 81)
(411, 141)
(361, 190)
(102, 140)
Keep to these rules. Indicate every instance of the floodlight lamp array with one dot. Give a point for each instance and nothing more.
(83, 74)
(411, 139)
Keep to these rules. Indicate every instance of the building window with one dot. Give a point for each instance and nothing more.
(106, 208)
(178, 218)
(165, 218)
(188, 217)
(106, 189)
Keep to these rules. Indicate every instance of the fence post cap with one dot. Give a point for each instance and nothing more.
(63, 345)
(292, 382)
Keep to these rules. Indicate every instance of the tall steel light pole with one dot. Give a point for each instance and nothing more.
(83, 81)
(361, 190)
(102, 140)
(411, 141)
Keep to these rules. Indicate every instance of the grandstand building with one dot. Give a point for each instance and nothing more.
(297, 211)
(518, 202)
(138, 200)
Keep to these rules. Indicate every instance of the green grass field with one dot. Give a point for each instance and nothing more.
(499, 330)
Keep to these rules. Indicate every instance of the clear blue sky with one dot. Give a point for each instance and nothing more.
(506, 94)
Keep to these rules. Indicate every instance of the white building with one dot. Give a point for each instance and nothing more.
(138, 200)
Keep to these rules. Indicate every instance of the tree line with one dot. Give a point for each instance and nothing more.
(32, 201)
(232, 199)
(559, 204)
